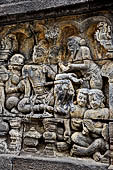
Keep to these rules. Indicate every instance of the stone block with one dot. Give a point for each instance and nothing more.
(5, 162)
(56, 164)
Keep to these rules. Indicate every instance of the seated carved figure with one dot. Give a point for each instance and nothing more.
(92, 141)
(79, 109)
(15, 86)
(38, 97)
(36, 85)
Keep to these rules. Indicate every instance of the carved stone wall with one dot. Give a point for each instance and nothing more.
(56, 87)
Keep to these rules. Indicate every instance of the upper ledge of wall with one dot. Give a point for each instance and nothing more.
(19, 10)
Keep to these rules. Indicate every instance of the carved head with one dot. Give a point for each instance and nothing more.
(96, 98)
(17, 59)
(16, 62)
(73, 44)
(82, 97)
(39, 52)
(53, 53)
(64, 90)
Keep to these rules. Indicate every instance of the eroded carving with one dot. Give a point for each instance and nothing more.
(84, 63)
(15, 85)
(93, 138)
(52, 99)
(103, 34)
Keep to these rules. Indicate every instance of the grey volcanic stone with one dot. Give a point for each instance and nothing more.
(5, 162)
(23, 6)
(12, 11)
(55, 164)
(46, 2)
(9, 162)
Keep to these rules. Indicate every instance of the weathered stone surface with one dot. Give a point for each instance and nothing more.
(13, 11)
(15, 7)
(5, 162)
(16, 163)
(56, 83)
(52, 87)
(57, 164)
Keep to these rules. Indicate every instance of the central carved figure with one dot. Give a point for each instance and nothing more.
(37, 94)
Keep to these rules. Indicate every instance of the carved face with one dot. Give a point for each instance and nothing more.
(39, 53)
(95, 101)
(53, 53)
(72, 45)
(17, 59)
(82, 99)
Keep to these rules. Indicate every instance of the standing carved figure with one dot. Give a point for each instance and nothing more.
(83, 62)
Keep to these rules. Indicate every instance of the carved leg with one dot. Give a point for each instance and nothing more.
(97, 145)
(24, 106)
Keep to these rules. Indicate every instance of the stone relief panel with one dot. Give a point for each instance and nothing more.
(56, 83)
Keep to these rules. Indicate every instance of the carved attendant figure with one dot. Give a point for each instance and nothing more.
(84, 63)
(98, 110)
(15, 86)
(93, 138)
(78, 111)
